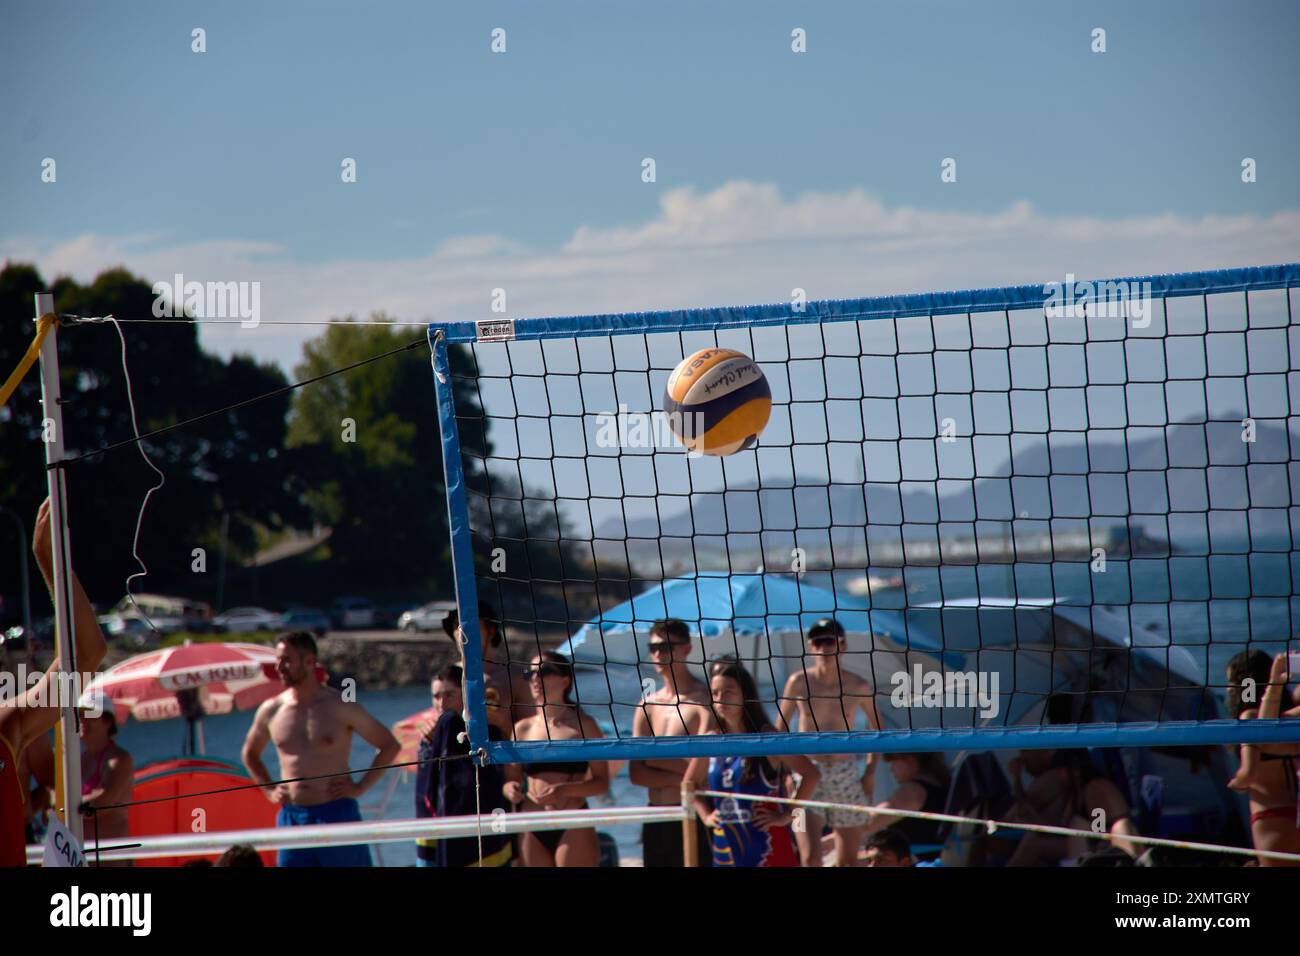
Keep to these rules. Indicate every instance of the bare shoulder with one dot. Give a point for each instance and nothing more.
(350, 710)
(524, 728)
(269, 708)
(797, 683)
(589, 726)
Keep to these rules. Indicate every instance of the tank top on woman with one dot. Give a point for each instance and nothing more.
(736, 839)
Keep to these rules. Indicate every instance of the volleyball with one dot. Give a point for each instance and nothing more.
(717, 401)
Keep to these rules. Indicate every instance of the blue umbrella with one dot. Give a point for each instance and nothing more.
(748, 605)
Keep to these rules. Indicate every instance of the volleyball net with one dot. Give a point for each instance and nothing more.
(1043, 516)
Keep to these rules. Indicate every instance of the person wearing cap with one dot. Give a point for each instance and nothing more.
(508, 696)
(27, 716)
(823, 697)
(107, 773)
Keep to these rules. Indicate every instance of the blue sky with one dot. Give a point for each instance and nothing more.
(478, 170)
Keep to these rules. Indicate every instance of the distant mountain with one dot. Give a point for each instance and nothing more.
(1194, 468)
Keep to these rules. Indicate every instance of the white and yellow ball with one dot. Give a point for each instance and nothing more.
(718, 401)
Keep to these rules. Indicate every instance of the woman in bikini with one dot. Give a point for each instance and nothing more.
(556, 786)
(1268, 771)
(107, 776)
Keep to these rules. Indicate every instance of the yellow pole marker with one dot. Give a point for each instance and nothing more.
(43, 326)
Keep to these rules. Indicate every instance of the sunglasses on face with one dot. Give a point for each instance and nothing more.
(823, 641)
(662, 647)
(545, 670)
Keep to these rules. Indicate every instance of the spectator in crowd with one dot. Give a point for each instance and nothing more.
(1066, 790)
(507, 692)
(311, 726)
(1268, 771)
(240, 855)
(923, 781)
(446, 692)
(107, 774)
(888, 847)
(447, 784)
(747, 832)
(679, 708)
(563, 785)
(824, 696)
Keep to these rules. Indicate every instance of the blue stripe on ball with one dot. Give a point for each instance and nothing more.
(717, 409)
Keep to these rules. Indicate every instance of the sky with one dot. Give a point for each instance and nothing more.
(523, 170)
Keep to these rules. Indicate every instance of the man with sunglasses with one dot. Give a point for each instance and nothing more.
(679, 708)
(824, 697)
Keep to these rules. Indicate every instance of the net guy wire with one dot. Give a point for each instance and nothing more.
(240, 404)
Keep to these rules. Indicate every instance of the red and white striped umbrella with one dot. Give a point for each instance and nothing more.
(410, 730)
(227, 676)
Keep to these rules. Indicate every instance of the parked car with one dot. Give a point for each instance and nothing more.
(426, 617)
(131, 629)
(246, 620)
(306, 619)
(349, 612)
(167, 614)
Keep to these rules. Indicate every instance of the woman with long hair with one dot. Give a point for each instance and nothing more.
(556, 786)
(1268, 771)
(747, 832)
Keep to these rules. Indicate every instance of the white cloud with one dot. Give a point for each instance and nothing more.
(739, 244)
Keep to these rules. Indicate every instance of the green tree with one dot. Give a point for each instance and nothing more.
(367, 445)
(369, 442)
(232, 463)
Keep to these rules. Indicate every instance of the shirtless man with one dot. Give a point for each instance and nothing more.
(24, 718)
(679, 708)
(825, 697)
(311, 727)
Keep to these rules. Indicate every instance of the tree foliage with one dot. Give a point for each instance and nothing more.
(231, 463)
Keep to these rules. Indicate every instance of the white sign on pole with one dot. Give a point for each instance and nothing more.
(61, 847)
